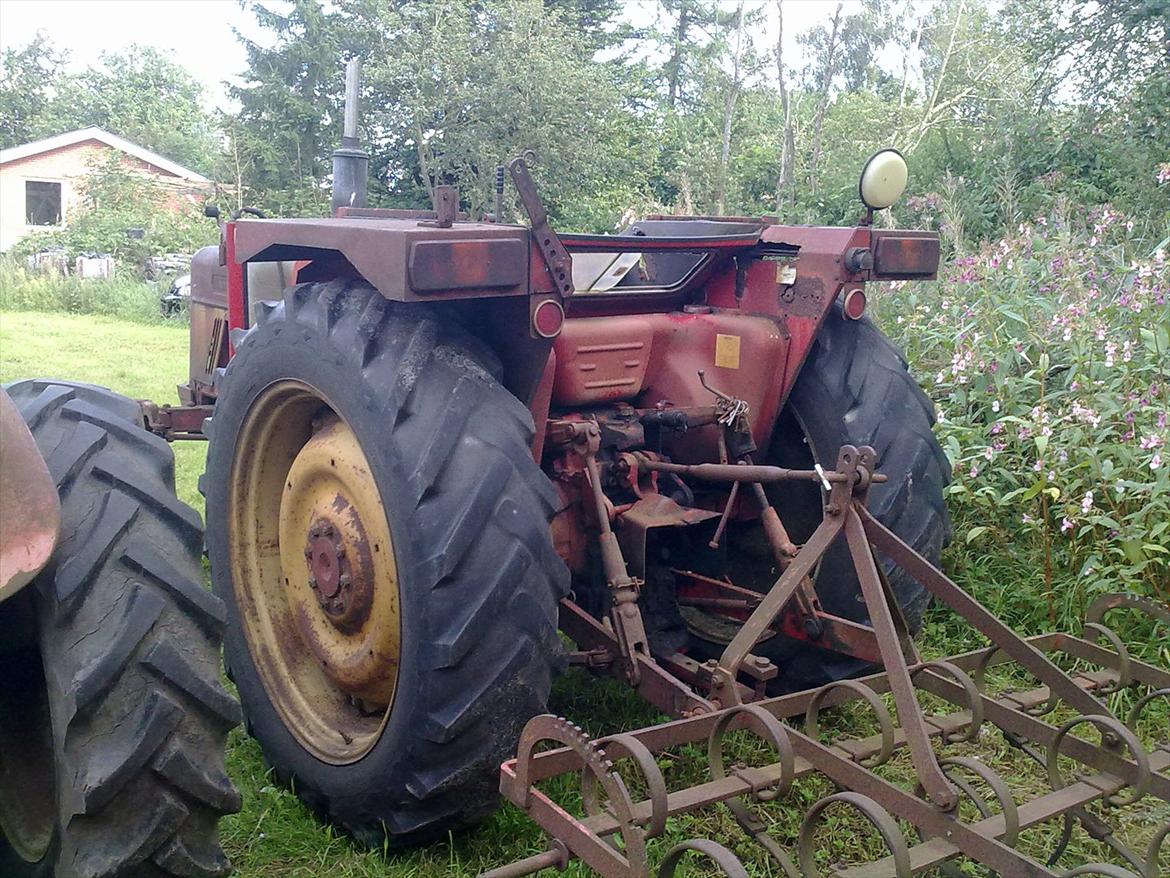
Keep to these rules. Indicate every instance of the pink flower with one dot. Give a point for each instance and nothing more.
(1087, 502)
(1065, 525)
(1156, 460)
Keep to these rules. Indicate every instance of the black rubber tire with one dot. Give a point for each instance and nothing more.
(479, 579)
(855, 388)
(129, 639)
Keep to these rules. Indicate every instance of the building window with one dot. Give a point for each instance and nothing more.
(42, 203)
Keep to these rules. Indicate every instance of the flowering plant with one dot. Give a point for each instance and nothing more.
(1047, 355)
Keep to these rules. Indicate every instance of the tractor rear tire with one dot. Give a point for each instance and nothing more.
(465, 508)
(123, 721)
(855, 389)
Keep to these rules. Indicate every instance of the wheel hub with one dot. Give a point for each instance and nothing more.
(341, 580)
(312, 550)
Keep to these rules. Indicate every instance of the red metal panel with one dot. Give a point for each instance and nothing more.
(655, 357)
(237, 319)
(438, 266)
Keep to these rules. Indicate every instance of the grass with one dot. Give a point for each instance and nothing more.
(124, 296)
(274, 835)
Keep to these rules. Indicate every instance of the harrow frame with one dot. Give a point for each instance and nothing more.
(1123, 770)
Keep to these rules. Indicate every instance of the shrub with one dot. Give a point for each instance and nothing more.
(1047, 354)
(118, 199)
(125, 297)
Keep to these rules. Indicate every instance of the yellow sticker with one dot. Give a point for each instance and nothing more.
(727, 351)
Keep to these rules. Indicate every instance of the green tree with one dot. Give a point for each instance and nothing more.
(290, 102)
(142, 95)
(458, 87)
(28, 76)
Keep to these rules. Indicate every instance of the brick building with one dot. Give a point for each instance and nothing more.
(41, 183)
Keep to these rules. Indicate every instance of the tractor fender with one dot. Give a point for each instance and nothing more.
(29, 507)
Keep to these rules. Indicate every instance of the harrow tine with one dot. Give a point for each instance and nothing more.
(878, 817)
(1107, 724)
(762, 786)
(885, 721)
(627, 746)
(1124, 675)
(728, 863)
(1135, 712)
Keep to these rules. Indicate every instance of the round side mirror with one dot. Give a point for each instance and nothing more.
(883, 179)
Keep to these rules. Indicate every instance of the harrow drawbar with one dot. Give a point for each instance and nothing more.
(955, 809)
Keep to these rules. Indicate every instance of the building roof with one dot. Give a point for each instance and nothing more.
(69, 138)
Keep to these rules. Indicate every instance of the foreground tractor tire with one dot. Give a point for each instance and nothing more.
(379, 531)
(113, 721)
(854, 389)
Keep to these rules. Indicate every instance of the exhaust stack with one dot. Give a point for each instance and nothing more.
(350, 162)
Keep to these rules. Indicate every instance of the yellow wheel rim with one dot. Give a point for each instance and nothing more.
(314, 571)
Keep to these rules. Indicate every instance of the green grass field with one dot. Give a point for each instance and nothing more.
(275, 835)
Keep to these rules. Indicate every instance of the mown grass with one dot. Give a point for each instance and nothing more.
(275, 835)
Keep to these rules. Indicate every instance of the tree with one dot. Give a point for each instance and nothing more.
(141, 95)
(785, 181)
(292, 94)
(27, 78)
(464, 85)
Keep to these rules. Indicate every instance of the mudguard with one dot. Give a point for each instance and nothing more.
(30, 513)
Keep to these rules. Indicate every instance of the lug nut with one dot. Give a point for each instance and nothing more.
(339, 549)
(313, 582)
(343, 580)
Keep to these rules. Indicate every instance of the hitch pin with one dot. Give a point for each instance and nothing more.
(820, 470)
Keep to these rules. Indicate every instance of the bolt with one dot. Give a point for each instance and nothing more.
(313, 582)
(343, 580)
(327, 531)
(761, 662)
(314, 532)
(308, 554)
(339, 549)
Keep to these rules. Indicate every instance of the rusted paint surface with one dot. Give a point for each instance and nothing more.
(383, 250)
(905, 255)
(1125, 770)
(30, 511)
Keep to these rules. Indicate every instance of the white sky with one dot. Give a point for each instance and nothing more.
(197, 34)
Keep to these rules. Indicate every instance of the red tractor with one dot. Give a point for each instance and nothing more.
(436, 441)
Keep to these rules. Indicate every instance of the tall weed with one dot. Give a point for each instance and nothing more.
(128, 298)
(1047, 354)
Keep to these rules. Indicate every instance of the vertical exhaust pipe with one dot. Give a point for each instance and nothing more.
(350, 162)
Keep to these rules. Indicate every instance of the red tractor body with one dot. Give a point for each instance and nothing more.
(737, 297)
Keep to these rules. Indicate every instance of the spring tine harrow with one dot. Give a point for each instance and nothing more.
(1052, 724)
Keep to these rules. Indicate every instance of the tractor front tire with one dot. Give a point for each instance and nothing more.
(113, 721)
(356, 434)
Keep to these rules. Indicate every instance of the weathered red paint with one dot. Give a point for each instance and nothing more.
(237, 316)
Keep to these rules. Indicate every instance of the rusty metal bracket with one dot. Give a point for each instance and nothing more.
(1122, 769)
(556, 257)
